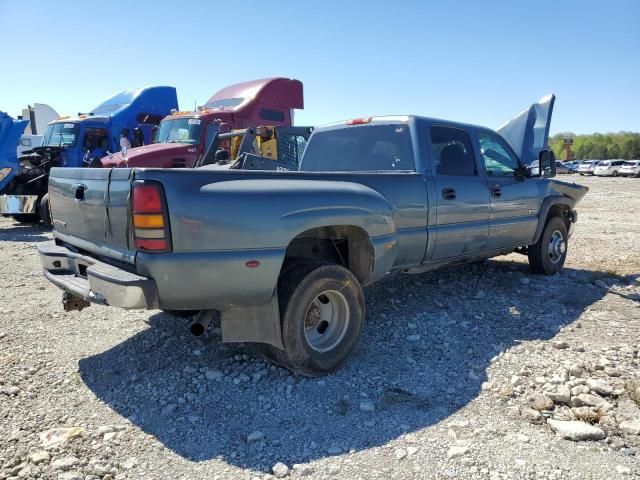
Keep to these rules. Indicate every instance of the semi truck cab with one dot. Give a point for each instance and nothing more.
(184, 137)
(81, 140)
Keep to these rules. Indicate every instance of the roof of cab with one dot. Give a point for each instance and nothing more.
(391, 119)
(277, 91)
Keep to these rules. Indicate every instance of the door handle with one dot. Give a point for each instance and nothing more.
(496, 191)
(448, 193)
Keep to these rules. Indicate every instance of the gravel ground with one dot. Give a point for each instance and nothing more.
(482, 371)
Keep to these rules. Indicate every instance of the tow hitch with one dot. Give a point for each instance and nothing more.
(72, 302)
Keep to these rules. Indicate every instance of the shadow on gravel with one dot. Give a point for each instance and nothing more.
(423, 355)
(24, 233)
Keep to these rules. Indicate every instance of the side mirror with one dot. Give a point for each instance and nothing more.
(547, 163)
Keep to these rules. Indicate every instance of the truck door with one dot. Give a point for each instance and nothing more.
(462, 196)
(514, 199)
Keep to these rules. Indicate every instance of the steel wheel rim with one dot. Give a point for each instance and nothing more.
(557, 246)
(326, 321)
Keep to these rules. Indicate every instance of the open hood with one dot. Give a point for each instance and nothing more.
(528, 132)
(10, 132)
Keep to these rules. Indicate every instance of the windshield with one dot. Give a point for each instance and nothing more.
(179, 130)
(61, 134)
(225, 103)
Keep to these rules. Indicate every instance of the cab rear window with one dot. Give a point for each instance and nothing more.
(360, 149)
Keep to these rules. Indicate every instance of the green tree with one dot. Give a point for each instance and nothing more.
(613, 151)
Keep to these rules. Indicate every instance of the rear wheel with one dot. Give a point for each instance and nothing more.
(321, 311)
(614, 174)
(548, 254)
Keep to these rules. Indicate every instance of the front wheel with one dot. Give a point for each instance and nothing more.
(614, 174)
(548, 254)
(322, 312)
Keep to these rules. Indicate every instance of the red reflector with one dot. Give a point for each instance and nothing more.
(148, 244)
(147, 199)
(359, 121)
(252, 264)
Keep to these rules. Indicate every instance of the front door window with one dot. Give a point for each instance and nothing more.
(497, 157)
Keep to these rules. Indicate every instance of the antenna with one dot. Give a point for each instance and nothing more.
(195, 106)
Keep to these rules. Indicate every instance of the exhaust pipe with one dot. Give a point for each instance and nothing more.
(201, 322)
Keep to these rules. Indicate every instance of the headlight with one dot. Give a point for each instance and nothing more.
(4, 172)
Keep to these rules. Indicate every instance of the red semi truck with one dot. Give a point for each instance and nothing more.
(184, 138)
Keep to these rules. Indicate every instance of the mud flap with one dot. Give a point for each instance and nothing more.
(259, 324)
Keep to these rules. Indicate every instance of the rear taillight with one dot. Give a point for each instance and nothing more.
(150, 220)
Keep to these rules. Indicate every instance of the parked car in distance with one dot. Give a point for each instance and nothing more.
(560, 168)
(608, 168)
(587, 167)
(283, 255)
(630, 169)
(563, 168)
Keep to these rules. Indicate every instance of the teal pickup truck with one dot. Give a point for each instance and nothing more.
(283, 256)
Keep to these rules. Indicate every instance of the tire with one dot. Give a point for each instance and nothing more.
(26, 218)
(45, 211)
(614, 174)
(321, 314)
(548, 254)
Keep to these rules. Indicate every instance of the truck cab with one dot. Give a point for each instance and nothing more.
(184, 137)
(81, 140)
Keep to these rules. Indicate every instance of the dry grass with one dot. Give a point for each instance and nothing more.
(588, 416)
(632, 387)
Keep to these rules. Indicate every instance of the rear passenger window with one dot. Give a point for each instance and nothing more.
(360, 149)
(452, 151)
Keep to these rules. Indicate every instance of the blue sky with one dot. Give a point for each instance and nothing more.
(474, 61)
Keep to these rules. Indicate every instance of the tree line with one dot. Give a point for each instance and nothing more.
(598, 146)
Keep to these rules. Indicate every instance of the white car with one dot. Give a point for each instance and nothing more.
(587, 167)
(630, 169)
(608, 168)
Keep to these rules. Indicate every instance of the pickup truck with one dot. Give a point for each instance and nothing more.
(283, 256)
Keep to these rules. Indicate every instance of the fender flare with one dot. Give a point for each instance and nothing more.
(543, 215)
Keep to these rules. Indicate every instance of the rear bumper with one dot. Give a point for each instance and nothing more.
(96, 281)
(16, 204)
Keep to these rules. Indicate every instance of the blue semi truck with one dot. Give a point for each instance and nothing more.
(81, 140)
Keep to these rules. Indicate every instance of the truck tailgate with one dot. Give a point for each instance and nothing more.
(90, 209)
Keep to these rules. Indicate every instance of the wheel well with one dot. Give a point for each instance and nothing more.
(560, 210)
(344, 245)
